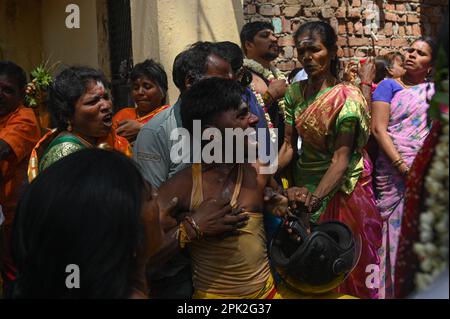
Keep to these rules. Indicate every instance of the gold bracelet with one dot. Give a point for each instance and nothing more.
(191, 221)
(182, 236)
(398, 162)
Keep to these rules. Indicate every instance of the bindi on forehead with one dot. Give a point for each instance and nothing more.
(421, 46)
(96, 88)
(306, 42)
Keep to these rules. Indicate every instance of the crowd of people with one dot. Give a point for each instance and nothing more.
(101, 190)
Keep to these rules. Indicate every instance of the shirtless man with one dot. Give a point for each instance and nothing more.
(235, 265)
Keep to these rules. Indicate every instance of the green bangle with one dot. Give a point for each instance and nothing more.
(268, 98)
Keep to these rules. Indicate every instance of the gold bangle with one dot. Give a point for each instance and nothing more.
(182, 236)
(191, 221)
(398, 162)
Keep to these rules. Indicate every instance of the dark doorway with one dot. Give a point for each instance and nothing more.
(121, 51)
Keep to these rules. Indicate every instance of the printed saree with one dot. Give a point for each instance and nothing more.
(408, 129)
(318, 122)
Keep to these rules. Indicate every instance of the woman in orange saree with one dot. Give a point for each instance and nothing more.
(149, 90)
(328, 126)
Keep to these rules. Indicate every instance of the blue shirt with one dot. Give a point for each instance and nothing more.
(255, 108)
(386, 91)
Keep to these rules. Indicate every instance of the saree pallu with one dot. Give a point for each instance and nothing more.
(319, 121)
(130, 113)
(408, 129)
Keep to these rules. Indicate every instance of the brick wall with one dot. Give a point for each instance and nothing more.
(394, 22)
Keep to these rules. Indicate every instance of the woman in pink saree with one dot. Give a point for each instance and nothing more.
(400, 128)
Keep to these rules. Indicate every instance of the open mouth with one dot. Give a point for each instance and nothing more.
(107, 120)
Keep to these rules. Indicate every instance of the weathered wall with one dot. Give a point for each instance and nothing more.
(400, 21)
(163, 28)
(32, 31)
(20, 32)
(70, 46)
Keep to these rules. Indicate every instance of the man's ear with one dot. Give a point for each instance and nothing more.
(189, 81)
(248, 46)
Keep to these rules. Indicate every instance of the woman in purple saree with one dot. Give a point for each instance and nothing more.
(400, 128)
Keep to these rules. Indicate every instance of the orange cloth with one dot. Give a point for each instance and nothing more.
(118, 143)
(130, 113)
(20, 130)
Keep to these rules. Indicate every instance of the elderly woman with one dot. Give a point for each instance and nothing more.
(399, 124)
(81, 109)
(328, 125)
(99, 243)
(149, 89)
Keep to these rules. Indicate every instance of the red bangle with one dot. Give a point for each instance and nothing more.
(366, 83)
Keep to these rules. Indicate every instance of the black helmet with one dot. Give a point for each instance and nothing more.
(320, 261)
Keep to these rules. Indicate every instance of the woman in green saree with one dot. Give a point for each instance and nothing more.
(327, 127)
(81, 110)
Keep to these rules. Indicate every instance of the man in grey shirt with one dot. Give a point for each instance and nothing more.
(152, 153)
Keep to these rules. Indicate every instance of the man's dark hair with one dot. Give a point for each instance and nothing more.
(152, 70)
(85, 210)
(327, 35)
(67, 88)
(193, 63)
(14, 72)
(208, 98)
(251, 29)
(232, 53)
